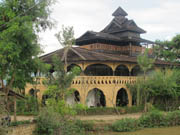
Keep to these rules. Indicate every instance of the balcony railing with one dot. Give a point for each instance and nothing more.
(103, 80)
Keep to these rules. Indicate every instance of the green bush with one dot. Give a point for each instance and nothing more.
(47, 122)
(153, 119)
(50, 123)
(124, 125)
(173, 118)
(86, 125)
(30, 105)
(108, 110)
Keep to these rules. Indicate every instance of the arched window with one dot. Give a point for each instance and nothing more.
(73, 98)
(122, 70)
(136, 71)
(122, 98)
(95, 98)
(98, 70)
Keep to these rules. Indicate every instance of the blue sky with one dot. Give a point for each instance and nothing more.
(160, 18)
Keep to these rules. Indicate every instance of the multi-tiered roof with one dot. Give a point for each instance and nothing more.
(120, 31)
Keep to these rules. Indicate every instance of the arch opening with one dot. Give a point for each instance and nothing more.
(122, 98)
(33, 92)
(136, 71)
(44, 99)
(73, 99)
(98, 70)
(95, 98)
(122, 70)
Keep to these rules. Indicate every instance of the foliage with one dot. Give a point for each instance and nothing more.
(108, 110)
(29, 105)
(86, 125)
(60, 81)
(168, 50)
(60, 107)
(151, 119)
(125, 125)
(20, 22)
(47, 122)
(66, 36)
(161, 87)
(51, 123)
(145, 62)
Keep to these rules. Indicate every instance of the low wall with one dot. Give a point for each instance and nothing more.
(22, 130)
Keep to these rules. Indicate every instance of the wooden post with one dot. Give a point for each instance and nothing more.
(15, 119)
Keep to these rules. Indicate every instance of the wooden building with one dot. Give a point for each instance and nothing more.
(108, 60)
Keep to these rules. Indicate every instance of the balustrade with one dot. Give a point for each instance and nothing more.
(103, 80)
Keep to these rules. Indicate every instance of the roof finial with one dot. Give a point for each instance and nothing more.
(119, 12)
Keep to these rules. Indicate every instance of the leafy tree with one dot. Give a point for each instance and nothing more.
(60, 81)
(20, 22)
(168, 50)
(145, 64)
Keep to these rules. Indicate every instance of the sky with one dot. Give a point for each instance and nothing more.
(160, 18)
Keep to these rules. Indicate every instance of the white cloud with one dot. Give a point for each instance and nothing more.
(160, 18)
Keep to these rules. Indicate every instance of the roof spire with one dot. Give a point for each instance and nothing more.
(119, 12)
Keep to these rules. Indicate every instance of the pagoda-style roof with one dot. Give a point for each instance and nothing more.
(95, 37)
(119, 12)
(119, 31)
(78, 54)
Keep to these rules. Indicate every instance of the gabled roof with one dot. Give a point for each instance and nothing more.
(119, 12)
(94, 56)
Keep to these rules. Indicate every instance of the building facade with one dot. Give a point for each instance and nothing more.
(108, 61)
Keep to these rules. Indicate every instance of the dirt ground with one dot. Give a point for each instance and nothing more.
(104, 118)
(109, 117)
(22, 118)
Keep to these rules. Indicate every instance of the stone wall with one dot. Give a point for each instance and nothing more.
(22, 130)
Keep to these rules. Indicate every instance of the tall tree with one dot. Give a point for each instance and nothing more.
(60, 81)
(67, 40)
(20, 22)
(145, 64)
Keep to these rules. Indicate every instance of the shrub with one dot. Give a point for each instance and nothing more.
(50, 123)
(47, 122)
(30, 105)
(86, 125)
(124, 125)
(173, 118)
(109, 110)
(153, 119)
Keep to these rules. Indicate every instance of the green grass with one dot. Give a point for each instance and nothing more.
(147, 131)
